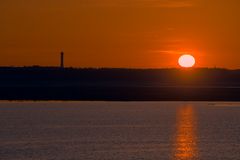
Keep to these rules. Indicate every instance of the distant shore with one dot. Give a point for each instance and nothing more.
(52, 83)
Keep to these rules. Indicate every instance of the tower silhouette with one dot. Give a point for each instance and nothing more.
(62, 60)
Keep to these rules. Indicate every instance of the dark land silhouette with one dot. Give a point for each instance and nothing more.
(53, 83)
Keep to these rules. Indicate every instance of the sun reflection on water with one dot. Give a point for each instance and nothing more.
(185, 141)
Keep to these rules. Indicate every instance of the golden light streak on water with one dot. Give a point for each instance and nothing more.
(186, 138)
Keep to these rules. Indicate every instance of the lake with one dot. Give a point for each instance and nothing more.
(119, 130)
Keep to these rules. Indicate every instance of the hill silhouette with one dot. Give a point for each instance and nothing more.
(52, 83)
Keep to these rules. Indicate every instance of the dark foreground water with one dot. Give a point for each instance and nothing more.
(119, 131)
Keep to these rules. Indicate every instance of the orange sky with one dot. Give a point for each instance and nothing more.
(119, 33)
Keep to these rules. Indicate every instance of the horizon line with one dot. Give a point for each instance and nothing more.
(125, 68)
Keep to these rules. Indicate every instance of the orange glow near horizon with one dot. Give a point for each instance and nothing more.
(185, 144)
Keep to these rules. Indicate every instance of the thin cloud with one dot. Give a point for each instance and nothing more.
(140, 3)
(168, 52)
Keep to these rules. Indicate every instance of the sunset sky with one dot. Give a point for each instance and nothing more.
(119, 33)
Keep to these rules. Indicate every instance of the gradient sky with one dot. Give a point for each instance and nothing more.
(119, 33)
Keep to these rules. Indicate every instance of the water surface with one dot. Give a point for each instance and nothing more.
(119, 130)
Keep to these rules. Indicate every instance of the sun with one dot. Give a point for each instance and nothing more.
(186, 61)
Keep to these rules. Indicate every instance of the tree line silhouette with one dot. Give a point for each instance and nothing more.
(53, 83)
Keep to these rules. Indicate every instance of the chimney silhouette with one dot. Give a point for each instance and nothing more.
(62, 60)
